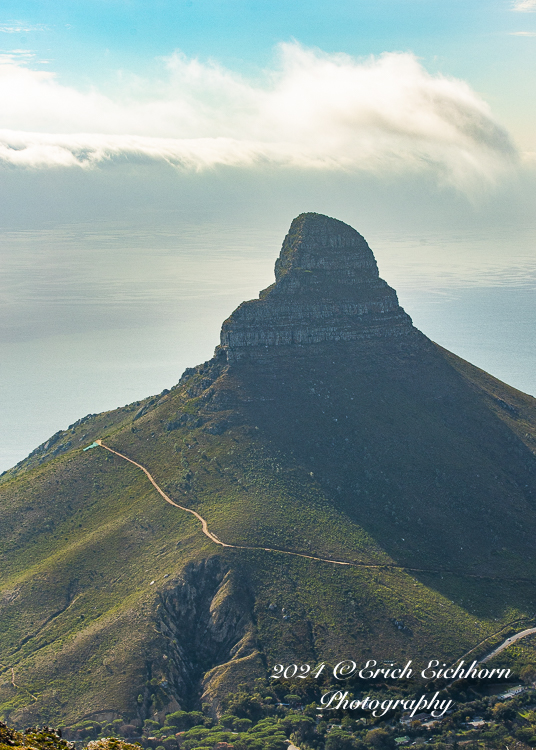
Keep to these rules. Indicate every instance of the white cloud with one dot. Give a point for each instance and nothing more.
(525, 6)
(19, 27)
(314, 111)
(523, 33)
(16, 57)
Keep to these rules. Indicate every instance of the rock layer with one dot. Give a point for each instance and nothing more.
(327, 288)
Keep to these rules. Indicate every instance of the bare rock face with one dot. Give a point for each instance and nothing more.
(327, 289)
(209, 634)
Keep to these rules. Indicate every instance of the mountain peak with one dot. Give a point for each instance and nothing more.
(327, 288)
(317, 242)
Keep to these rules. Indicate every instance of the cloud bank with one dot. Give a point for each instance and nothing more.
(313, 111)
(524, 6)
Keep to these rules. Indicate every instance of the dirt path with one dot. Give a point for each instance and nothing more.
(208, 533)
(17, 687)
(12, 670)
(214, 538)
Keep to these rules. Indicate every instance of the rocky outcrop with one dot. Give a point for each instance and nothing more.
(207, 622)
(327, 289)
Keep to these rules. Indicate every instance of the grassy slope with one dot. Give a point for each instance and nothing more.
(86, 533)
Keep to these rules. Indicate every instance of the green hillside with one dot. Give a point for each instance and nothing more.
(388, 453)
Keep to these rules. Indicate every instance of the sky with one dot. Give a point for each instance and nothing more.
(153, 155)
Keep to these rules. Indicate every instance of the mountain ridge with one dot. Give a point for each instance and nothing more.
(375, 448)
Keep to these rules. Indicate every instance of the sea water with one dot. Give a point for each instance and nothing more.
(93, 319)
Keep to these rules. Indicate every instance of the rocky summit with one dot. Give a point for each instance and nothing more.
(365, 494)
(327, 288)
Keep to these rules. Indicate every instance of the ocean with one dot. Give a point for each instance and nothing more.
(97, 317)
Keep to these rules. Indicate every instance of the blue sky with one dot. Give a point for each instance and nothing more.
(491, 45)
(86, 40)
(244, 32)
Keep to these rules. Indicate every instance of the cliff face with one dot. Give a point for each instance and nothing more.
(206, 621)
(327, 288)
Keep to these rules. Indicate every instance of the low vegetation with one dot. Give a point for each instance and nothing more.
(311, 458)
(266, 716)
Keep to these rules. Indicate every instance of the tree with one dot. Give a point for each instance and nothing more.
(528, 674)
(302, 726)
(379, 739)
(339, 740)
(503, 712)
